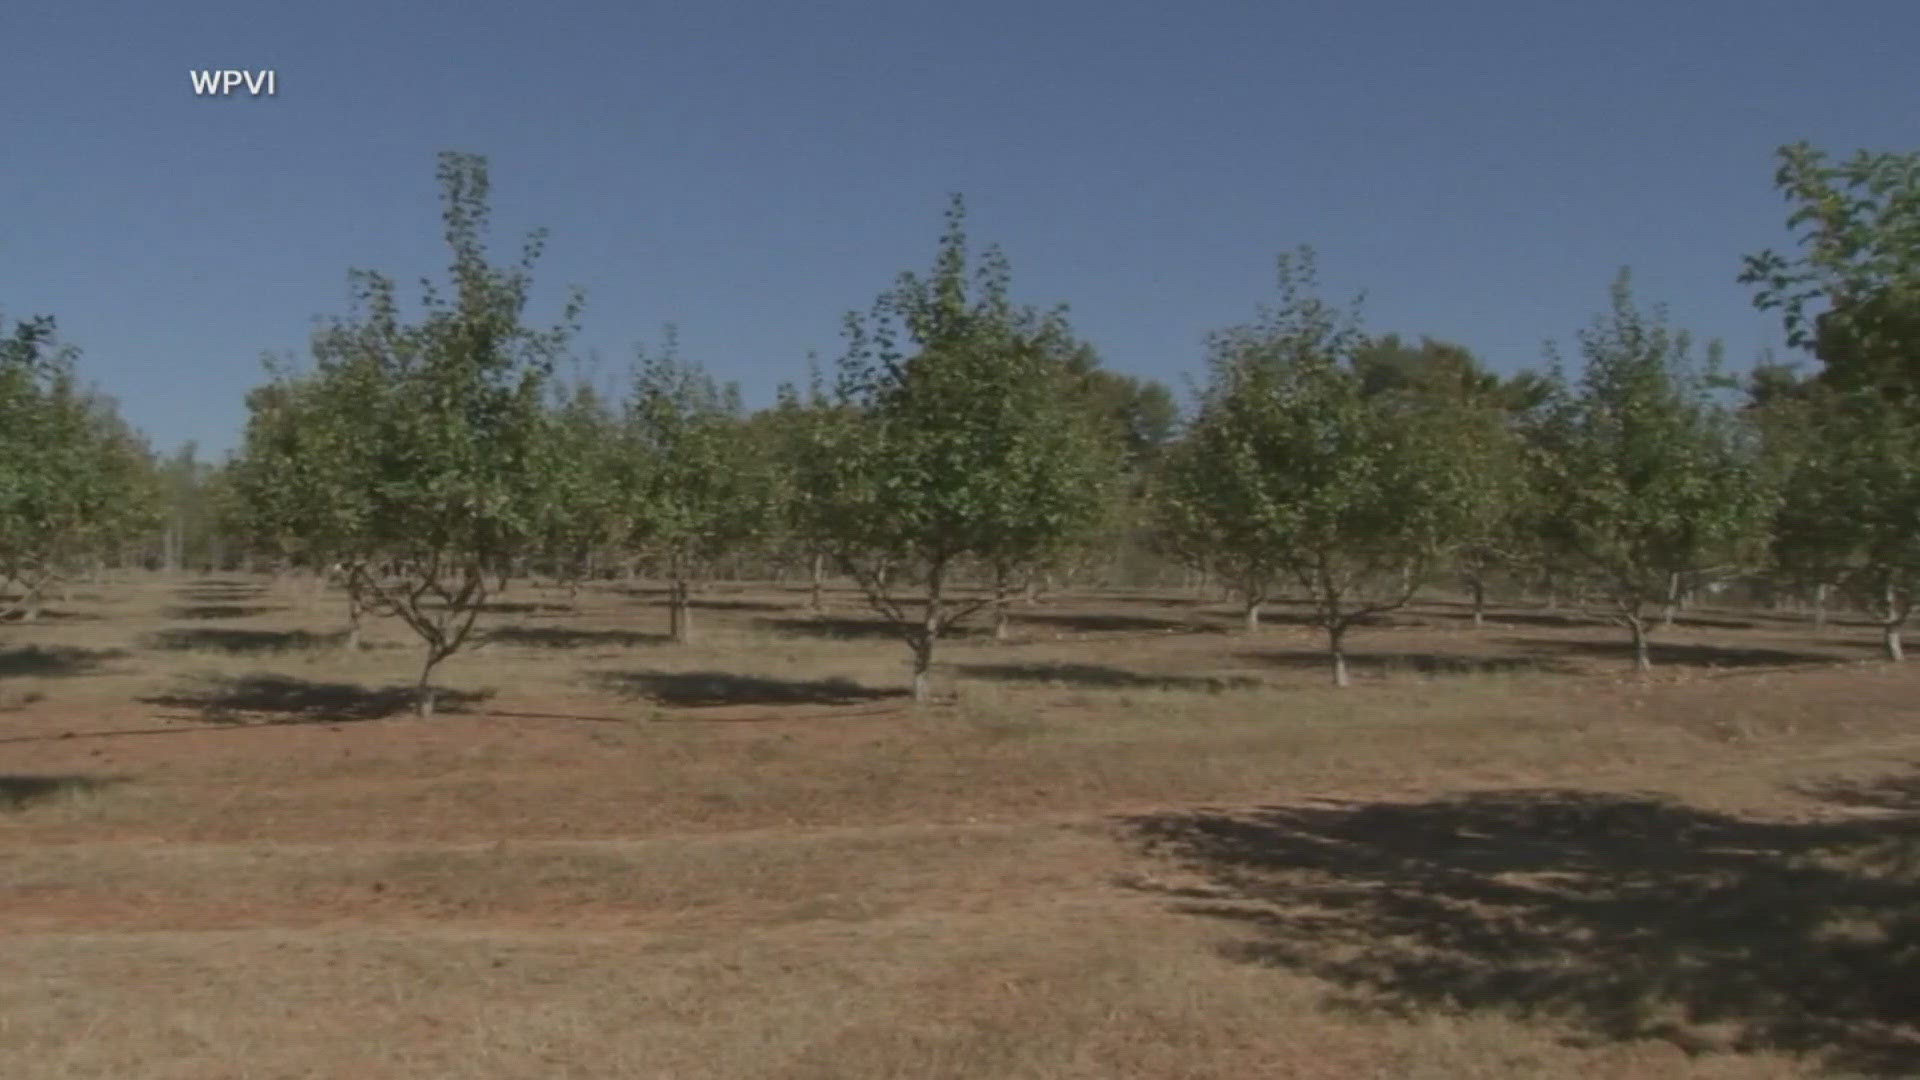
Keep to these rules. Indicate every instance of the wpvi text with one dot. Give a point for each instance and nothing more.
(214, 83)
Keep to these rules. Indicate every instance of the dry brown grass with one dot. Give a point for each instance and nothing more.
(1132, 844)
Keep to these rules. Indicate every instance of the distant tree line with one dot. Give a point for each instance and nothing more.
(968, 452)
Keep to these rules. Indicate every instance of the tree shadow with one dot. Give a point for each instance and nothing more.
(1423, 663)
(1504, 617)
(524, 607)
(1678, 653)
(1096, 622)
(704, 688)
(217, 611)
(1713, 622)
(659, 595)
(220, 591)
(1836, 620)
(560, 637)
(53, 661)
(19, 791)
(243, 642)
(1100, 676)
(283, 699)
(854, 628)
(510, 607)
(1272, 615)
(49, 615)
(1895, 794)
(1628, 917)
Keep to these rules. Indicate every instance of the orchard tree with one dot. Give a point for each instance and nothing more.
(806, 476)
(1475, 414)
(704, 485)
(581, 499)
(1852, 294)
(1647, 479)
(1849, 512)
(1781, 412)
(303, 483)
(1851, 297)
(1291, 471)
(192, 492)
(75, 481)
(1135, 420)
(444, 413)
(955, 437)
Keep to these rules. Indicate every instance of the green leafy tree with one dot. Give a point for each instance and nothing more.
(1780, 412)
(75, 481)
(1648, 479)
(955, 437)
(1433, 368)
(192, 493)
(444, 415)
(806, 427)
(581, 499)
(1291, 471)
(303, 484)
(705, 486)
(1852, 293)
(1476, 414)
(1134, 420)
(1849, 512)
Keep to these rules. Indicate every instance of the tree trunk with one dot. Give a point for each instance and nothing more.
(680, 611)
(1251, 615)
(1642, 658)
(1672, 601)
(817, 583)
(999, 605)
(924, 638)
(1896, 617)
(1479, 602)
(1336, 647)
(423, 694)
(1820, 608)
(353, 619)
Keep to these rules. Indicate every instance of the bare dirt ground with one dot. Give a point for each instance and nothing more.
(1132, 844)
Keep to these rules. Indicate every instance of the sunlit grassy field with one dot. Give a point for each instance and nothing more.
(1129, 841)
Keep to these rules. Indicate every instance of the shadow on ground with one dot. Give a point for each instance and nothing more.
(1092, 622)
(20, 791)
(1100, 676)
(220, 592)
(282, 699)
(52, 661)
(214, 639)
(560, 637)
(1423, 663)
(1452, 611)
(849, 627)
(510, 607)
(1496, 616)
(49, 615)
(658, 595)
(1628, 917)
(217, 611)
(1667, 652)
(700, 688)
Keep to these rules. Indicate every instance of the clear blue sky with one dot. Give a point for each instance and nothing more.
(751, 171)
